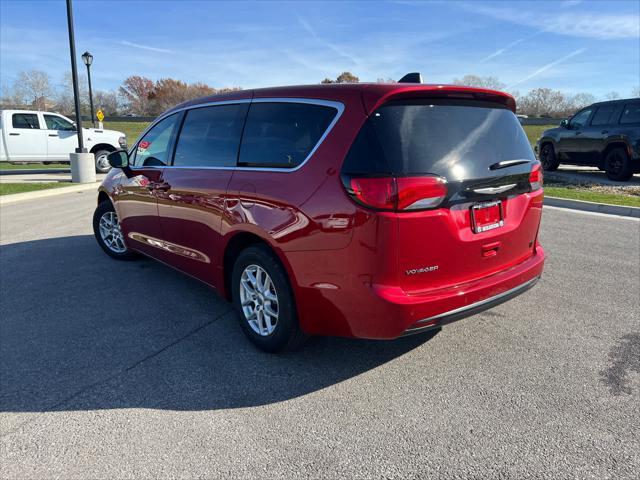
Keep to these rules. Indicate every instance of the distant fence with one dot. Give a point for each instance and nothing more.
(123, 118)
(523, 121)
(540, 121)
(116, 118)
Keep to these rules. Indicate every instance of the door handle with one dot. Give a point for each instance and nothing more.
(578, 133)
(14, 134)
(162, 187)
(53, 134)
(604, 131)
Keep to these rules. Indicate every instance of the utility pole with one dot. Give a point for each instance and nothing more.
(74, 76)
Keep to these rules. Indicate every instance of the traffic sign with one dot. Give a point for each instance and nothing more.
(100, 115)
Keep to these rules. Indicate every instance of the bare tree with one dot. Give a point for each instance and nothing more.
(63, 98)
(482, 82)
(33, 88)
(542, 102)
(107, 102)
(612, 96)
(578, 101)
(635, 91)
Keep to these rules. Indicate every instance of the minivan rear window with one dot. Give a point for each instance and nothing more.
(457, 141)
(282, 134)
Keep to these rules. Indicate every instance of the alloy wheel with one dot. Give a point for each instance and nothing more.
(259, 300)
(111, 233)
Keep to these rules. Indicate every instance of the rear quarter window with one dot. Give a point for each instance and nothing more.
(630, 113)
(282, 135)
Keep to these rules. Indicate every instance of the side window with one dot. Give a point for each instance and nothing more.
(282, 134)
(580, 119)
(210, 136)
(630, 113)
(603, 115)
(153, 149)
(58, 123)
(25, 120)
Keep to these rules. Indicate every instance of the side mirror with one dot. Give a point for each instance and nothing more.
(564, 123)
(118, 159)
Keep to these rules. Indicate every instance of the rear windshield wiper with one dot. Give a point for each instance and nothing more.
(507, 163)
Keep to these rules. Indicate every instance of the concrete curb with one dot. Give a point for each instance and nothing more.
(593, 207)
(50, 192)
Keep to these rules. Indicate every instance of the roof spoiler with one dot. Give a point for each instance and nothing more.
(413, 77)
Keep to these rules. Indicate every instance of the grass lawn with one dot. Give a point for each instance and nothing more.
(131, 129)
(577, 193)
(32, 166)
(535, 131)
(9, 188)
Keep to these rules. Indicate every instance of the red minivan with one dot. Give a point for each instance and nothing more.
(361, 210)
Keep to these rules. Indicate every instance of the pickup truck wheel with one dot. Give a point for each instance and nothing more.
(102, 164)
(106, 229)
(548, 158)
(618, 165)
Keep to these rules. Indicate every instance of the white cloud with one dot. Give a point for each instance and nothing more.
(502, 50)
(145, 47)
(546, 67)
(570, 3)
(589, 25)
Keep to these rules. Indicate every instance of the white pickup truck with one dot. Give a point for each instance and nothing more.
(28, 136)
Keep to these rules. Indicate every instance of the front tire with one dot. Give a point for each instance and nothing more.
(264, 302)
(617, 165)
(548, 158)
(106, 229)
(102, 164)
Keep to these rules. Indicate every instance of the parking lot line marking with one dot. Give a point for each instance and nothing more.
(596, 214)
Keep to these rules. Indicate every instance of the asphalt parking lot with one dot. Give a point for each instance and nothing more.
(129, 369)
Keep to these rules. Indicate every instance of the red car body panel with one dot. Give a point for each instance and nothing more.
(346, 263)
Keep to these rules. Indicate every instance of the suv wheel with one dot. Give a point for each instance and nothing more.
(617, 165)
(548, 158)
(264, 301)
(106, 229)
(102, 164)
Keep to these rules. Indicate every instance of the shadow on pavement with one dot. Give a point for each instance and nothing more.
(79, 331)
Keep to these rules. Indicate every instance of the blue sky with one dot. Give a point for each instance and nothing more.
(571, 45)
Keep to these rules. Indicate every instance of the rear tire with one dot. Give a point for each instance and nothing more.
(618, 166)
(268, 316)
(548, 158)
(102, 164)
(108, 235)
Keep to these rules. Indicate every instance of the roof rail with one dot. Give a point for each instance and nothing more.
(413, 77)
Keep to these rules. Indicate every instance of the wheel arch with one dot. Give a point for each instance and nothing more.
(103, 196)
(236, 243)
(102, 146)
(617, 143)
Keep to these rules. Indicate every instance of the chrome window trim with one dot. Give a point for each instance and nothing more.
(339, 106)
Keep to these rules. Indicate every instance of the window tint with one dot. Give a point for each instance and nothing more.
(210, 136)
(153, 148)
(25, 120)
(603, 115)
(457, 141)
(57, 123)
(580, 120)
(283, 134)
(631, 113)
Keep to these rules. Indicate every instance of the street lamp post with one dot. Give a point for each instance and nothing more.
(87, 58)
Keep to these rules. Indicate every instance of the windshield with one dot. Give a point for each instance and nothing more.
(457, 141)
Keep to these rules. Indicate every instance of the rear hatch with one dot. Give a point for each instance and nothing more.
(462, 180)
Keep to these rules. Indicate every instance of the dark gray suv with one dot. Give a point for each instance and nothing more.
(604, 135)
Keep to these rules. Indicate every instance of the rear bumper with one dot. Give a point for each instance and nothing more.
(403, 314)
(459, 313)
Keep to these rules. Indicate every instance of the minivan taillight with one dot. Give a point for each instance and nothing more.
(535, 177)
(397, 193)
